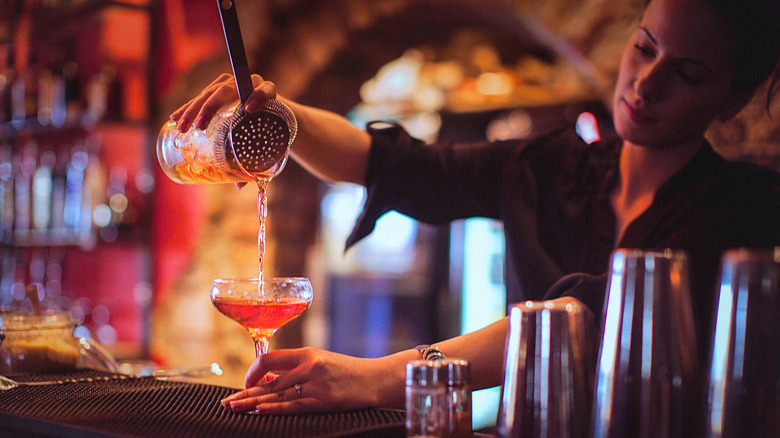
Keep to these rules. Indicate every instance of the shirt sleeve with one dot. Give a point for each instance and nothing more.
(589, 289)
(434, 184)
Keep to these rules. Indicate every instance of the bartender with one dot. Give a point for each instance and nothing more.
(565, 204)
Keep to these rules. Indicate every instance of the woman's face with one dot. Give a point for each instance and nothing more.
(675, 76)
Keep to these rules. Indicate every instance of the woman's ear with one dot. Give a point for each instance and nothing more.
(735, 104)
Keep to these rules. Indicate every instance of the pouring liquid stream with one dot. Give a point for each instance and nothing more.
(262, 213)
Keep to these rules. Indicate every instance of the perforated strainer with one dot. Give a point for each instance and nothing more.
(256, 143)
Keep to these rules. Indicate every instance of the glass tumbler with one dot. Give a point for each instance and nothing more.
(744, 385)
(549, 370)
(647, 373)
(235, 147)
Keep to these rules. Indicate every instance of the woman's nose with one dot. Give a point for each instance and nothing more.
(649, 83)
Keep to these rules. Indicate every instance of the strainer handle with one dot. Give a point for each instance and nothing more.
(235, 46)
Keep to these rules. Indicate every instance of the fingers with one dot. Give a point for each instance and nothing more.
(287, 387)
(264, 91)
(199, 111)
(292, 399)
(221, 78)
(186, 113)
(203, 107)
(275, 361)
(309, 380)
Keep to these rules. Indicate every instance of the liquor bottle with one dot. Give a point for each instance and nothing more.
(69, 71)
(42, 192)
(7, 76)
(6, 194)
(94, 186)
(59, 175)
(22, 192)
(17, 94)
(74, 191)
(7, 273)
(51, 98)
(117, 198)
(58, 87)
(24, 93)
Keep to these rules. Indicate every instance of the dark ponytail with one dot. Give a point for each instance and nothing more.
(757, 51)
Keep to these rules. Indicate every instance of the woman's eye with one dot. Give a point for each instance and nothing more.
(644, 50)
(689, 78)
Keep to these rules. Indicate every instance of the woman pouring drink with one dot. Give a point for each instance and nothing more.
(565, 205)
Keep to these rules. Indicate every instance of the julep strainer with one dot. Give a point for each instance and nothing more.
(259, 142)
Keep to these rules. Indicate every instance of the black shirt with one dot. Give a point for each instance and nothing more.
(552, 195)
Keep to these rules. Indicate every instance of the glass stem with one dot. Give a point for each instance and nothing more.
(261, 345)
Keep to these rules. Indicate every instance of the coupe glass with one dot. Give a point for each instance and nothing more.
(647, 381)
(744, 386)
(261, 306)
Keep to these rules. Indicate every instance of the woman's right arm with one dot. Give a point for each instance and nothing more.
(327, 145)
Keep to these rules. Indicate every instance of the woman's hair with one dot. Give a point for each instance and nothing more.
(757, 51)
(757, 23)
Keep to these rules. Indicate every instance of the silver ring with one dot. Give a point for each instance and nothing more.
(298, 389)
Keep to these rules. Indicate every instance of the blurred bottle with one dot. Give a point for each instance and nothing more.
(7, 76)
(74, 191)
(36, 266)
(53, 280)
(24, 92)
(103, 94)
(65, 66)
(42, 192)
(23, 192)
(7, 272)
(19, 276)
(94, 187)
(59, 176)
(117, 194)
(51, 98)
(17, 93)
(53, 105)
(45, 85)
(116, 212)
(6, 194)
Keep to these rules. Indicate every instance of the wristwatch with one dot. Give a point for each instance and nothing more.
(430, 352)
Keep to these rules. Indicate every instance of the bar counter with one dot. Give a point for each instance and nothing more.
(150, 407)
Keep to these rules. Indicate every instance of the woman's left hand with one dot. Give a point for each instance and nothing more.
(313, 380)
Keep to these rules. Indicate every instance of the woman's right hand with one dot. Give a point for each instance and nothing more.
(201, 109)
